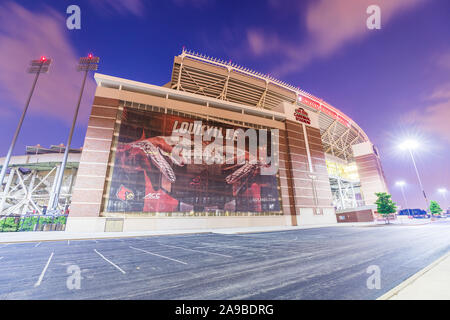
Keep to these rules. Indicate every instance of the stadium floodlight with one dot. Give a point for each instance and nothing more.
(411, 145)
(37, 67)
(86, 64)
(402, 185)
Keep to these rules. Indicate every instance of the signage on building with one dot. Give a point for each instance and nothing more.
(325, 109)
(309, 102)
(301, 115)
(146, 178)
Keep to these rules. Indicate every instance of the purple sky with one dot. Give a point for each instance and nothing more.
(394, 82)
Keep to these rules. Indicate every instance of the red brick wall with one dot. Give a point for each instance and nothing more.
(371, 176)
(355, 216)
(296, 184)
(91, 177)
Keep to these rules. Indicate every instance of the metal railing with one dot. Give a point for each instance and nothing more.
(20, 223)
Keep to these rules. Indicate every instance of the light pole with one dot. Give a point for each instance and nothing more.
(402, 184)
(443, 192)
(37, 67)
(85, 64)
(410, 145)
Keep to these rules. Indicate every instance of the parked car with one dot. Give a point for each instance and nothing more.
(414, 213)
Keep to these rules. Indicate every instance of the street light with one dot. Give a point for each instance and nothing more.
(410, 145)
(443, 192)
(37, 67)
(86, 64)
(402, 184)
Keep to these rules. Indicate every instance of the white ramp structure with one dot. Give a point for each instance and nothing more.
(30, 182)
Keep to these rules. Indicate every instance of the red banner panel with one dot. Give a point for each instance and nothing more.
(309, 102)
(146, 178)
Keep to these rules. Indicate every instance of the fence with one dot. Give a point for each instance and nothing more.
(17, 223)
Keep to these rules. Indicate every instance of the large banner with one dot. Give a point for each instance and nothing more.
(148, 176)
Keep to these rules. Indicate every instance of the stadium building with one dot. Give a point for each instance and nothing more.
(30, 182)
(126, 179)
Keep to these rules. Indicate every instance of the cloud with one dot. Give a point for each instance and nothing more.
(442, 92)
(26, 35)
(122, 7)
(330, 25)
(260, 44)
(443, 61)
(434, 117)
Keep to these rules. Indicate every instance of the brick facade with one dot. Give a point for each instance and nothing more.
(92, 171)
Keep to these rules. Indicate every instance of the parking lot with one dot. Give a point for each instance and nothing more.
(322, 263)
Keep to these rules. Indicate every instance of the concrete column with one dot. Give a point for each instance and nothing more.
(370, 171)
(308, 177)
(52, 192)
(341, 195)
(89, 187)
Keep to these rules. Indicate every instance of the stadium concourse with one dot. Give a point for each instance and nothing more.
(125, 178)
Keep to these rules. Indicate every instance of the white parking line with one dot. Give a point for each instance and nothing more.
(115, 265)
(205, 252)
(38, 283)
(68, 242)
(1, 258)
(284, 240)
(158, 255)
(249, 249)
(252, 235)
(37, 244)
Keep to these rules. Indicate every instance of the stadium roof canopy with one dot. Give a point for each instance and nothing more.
(215, 78)
(38, 149)
(43, 159)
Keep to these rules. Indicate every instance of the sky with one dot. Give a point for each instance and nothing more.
(394, 81)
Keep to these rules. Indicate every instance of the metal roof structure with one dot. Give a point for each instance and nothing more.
(31, 180)
(38, 149)
(43, 160)
(224, 80)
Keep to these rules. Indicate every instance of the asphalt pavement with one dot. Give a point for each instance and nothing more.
(322, 263)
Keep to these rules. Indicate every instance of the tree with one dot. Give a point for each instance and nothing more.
(385, 205)
(435, 208)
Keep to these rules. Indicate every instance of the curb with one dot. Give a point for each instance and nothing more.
(230, 231)
(64, 237)
(412, 279)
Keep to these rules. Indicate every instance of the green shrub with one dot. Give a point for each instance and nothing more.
(8, 224)
(28, 223)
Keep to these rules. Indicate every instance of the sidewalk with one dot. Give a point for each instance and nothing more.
(10, 237)
(431, 283)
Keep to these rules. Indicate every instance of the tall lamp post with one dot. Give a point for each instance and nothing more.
(37, 67)
(443, 192)
(411, 145)
(402, 184)
(86, 64)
